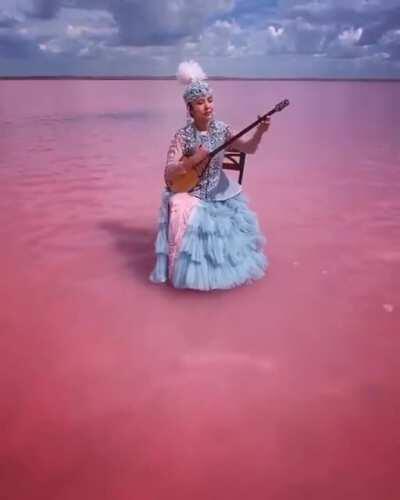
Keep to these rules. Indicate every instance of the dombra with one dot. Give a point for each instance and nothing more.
(184, 183)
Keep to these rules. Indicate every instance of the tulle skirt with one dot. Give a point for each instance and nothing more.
(221, 245)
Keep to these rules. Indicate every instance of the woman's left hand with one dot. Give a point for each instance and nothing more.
(263, 126)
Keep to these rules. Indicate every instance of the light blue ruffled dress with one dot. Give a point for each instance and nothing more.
(222, 246)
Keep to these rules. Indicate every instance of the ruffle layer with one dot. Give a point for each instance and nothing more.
(160, 271)
(222, 247)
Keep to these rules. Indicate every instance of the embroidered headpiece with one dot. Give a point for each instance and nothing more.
(191, 74)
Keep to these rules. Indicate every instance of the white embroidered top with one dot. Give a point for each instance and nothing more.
(214, 184)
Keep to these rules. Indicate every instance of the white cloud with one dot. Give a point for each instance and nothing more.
(275, 32)
(52, 46)
(350, 36)
(392, 36)
(75, 31)
(221, 39)
(83, 31)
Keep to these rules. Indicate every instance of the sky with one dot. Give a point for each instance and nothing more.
(241, 38)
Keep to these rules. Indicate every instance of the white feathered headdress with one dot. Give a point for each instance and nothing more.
(190, 71)
(192, 75)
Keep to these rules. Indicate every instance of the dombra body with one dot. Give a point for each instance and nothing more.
(186, 181)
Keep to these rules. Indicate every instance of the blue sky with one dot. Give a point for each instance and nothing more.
(248, 38)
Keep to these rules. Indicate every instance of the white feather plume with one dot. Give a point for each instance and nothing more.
(190, 71)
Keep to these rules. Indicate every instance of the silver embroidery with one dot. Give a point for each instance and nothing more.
(191, 138)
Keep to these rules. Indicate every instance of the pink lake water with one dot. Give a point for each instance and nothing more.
(115, 388)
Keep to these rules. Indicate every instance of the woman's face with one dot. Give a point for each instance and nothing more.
(202, 108)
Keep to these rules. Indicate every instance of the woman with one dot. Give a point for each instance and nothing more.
(208, 238)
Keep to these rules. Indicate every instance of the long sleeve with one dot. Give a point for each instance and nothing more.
(174, 157)
(245, 146)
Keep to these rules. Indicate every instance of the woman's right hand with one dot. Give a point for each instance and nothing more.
(201, 153)
(198, 160)
(202, 159)
(200, 167)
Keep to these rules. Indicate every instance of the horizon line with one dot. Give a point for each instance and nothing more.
(148, 77)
